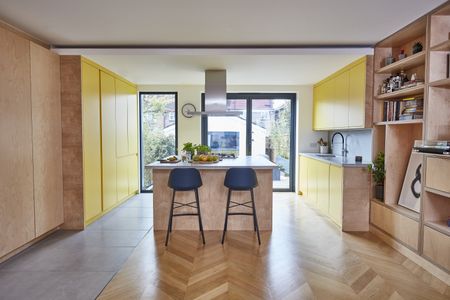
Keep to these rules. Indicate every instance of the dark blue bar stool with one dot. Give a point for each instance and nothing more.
(241, 179)
(185, 179)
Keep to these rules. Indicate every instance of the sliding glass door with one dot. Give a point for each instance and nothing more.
(158, 119)
(266, 127)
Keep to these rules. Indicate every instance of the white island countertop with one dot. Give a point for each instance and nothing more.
(255, 162)
(338, 160)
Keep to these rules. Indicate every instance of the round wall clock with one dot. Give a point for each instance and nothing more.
(188, 109)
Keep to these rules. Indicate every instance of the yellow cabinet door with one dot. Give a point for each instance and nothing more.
(312, 181)
(133, 174)
(121, 117)
(122, 177)
(357, 96)
(323, 174)
(327, 104)
(303, 176)
(336, 194)
(132, 120)
(317, 98)
(340, 110)
(109, 167)
(92, 168)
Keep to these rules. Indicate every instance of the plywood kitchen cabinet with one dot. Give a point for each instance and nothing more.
(107, 147)
(47, 145)
(339, 192)
(30, 173)
(344, 99)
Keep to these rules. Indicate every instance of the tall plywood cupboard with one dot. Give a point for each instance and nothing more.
(31, 203)
(102, 147)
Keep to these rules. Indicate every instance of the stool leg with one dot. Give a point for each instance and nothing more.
(255, 219)
(169, 226)
(199, 215)
(226, 215)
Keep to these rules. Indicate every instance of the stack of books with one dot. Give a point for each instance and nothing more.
(410, 108)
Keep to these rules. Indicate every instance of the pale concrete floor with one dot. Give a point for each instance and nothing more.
(78, 264)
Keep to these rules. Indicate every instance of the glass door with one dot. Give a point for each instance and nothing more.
(158, 123)
(272, 137)
(266, 127)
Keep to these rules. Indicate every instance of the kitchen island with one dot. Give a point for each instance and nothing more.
(213, 195)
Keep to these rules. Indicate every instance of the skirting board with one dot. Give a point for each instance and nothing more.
(428, 266)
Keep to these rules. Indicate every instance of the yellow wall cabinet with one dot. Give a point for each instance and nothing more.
(341, 193)
(106, 104)
(340, 100)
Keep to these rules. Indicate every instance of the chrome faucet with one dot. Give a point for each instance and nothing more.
(343, 151)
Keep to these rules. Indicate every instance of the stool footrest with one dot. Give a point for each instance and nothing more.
(240, 214)
(186, 214)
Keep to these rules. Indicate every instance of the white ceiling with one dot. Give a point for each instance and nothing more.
(241, 69)
(212, 22)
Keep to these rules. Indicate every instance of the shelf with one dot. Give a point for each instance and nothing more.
(437, 192)
(401, 93)
(404, 64)
(440, 226)
(403, 122)
(444, 83)
(400, 209)
(444, 46)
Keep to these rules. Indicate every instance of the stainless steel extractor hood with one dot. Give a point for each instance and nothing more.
(216, 95)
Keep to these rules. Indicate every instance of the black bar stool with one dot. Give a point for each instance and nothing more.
(241, 179)
(185, 179)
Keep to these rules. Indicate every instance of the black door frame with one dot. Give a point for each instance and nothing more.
(141, 146)
(255, 96)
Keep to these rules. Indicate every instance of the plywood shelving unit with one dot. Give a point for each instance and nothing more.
(396, 138)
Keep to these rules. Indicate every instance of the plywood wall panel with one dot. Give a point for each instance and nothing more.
(47, 145)
(16, 172)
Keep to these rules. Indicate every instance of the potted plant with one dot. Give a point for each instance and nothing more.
(188, 149)
(202, 149)
(378, 174)
(323, 146)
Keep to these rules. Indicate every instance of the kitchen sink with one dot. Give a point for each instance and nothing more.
(325, 155)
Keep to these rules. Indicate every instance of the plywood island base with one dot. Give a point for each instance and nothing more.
(213, 201)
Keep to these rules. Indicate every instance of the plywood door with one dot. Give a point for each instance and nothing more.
(108, 112)
(336, 194)
(121, 118)
(340, 110)
(323, 186)
(436, 246)
(92, 160)
(16, 159)
(357, 98)
(47, 145)
(438, 174)
(303, 176)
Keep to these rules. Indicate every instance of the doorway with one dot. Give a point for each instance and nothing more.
(265, 127)
(158, 131)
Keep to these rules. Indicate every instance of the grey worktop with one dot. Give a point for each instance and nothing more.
(255, 162)
(338, 160)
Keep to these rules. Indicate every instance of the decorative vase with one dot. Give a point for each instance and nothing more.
(323, 149)
(379, 192)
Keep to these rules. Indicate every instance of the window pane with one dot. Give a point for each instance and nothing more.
(158, 130)
(228, 134)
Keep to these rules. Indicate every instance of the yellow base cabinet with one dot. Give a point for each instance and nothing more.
(341, 193)
(303, 176)
(341, 99)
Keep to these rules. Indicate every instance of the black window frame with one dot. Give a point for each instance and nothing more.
(141, 146)
(255, 96)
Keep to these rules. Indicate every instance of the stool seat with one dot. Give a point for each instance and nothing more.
(185, 179)
(241, 179)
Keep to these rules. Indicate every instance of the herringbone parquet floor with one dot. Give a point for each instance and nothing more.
(304, 257)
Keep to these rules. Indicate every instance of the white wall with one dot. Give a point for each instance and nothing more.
(189, 130)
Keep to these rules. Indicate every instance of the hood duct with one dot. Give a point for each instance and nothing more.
(216, 95)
